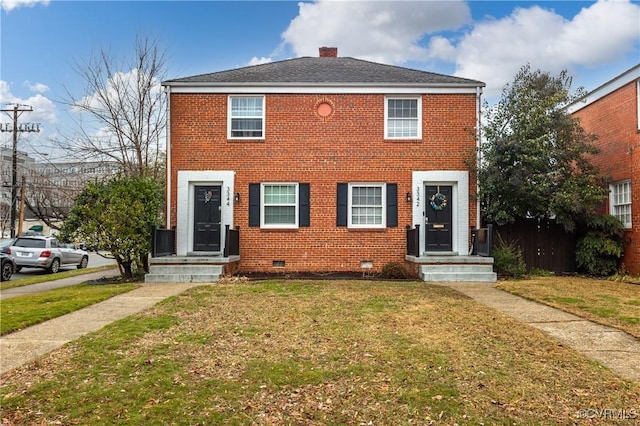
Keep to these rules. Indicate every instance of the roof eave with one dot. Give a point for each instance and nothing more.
(177, 83)
(621, 80)
(408, 88)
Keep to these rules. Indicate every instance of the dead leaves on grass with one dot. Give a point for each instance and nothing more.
(353, 353)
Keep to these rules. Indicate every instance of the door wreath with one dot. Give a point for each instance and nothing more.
(438, 201)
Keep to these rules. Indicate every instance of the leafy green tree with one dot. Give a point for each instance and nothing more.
(535, 155)
(117, 216)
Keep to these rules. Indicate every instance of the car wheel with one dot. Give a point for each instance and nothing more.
(7, 271)
(84, 262)
(55, 266)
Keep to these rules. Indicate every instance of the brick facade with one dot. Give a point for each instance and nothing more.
(301, 145)
(612, 114)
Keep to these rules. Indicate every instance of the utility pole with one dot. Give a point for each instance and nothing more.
(17, 110)
(22, 196)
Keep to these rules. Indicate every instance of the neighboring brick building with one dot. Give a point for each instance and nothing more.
(612, 111)
(322, 163)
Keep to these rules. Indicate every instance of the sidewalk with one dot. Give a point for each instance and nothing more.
(29, 344)
(613, 348)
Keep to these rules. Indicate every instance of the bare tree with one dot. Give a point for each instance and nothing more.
(50, 203)
(120, 121)
(122, 115)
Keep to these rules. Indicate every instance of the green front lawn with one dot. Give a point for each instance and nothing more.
(611, 303)
(23, 311)
(315, 353)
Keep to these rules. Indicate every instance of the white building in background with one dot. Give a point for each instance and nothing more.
(49, 185)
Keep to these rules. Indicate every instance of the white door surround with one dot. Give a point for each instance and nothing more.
(459, 180)
(187, 180)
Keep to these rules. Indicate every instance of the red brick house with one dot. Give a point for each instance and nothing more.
(321, 164)
(612, 111)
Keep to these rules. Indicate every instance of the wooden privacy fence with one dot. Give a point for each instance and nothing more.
(544, 244)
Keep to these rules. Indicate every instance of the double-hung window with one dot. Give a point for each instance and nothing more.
(367, 203)
(403, 118)
(279, 205)
(620, 202)
(246, 117)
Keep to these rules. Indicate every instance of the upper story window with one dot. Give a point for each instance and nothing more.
(280, 205)
(246, 117)
(403, 118)
(366, 206)
(620, 202)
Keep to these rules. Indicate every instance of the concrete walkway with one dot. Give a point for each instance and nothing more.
(31, 343)
(613, 348)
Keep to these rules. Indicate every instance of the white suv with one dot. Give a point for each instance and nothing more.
(46, 253)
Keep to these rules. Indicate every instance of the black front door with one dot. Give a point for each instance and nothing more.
(438, 217)
(206, 218)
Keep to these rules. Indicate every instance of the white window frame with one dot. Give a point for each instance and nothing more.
(351, 206)
(264, 205)
(418, 118)
(620, 198)
(230, 116)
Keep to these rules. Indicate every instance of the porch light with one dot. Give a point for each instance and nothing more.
(237, 197)
(408, 197)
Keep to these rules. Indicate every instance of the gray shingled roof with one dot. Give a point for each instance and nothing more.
(323, 71)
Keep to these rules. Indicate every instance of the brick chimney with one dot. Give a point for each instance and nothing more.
(328, 52)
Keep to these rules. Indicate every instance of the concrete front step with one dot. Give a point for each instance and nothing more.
(457, 269)
(181, 278)
(183, 273)
(186, 269)
(439, 268)
(189, 269)
(487, 277)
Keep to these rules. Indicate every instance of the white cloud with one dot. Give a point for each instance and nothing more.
(121, 92)
(44, 110)
(5, 93)
(36, 87)
(494, 50)
(121, 84)
(441, 48)
(600, 33)
(44, 113)
(9, 5)
(259, 61)
(491, 50)
(381, 31)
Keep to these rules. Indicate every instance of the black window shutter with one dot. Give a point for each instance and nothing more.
(342, 204)
(254, 204)
(392, 205)
(304, 211)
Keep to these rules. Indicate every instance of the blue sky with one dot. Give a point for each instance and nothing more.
(40, 41)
